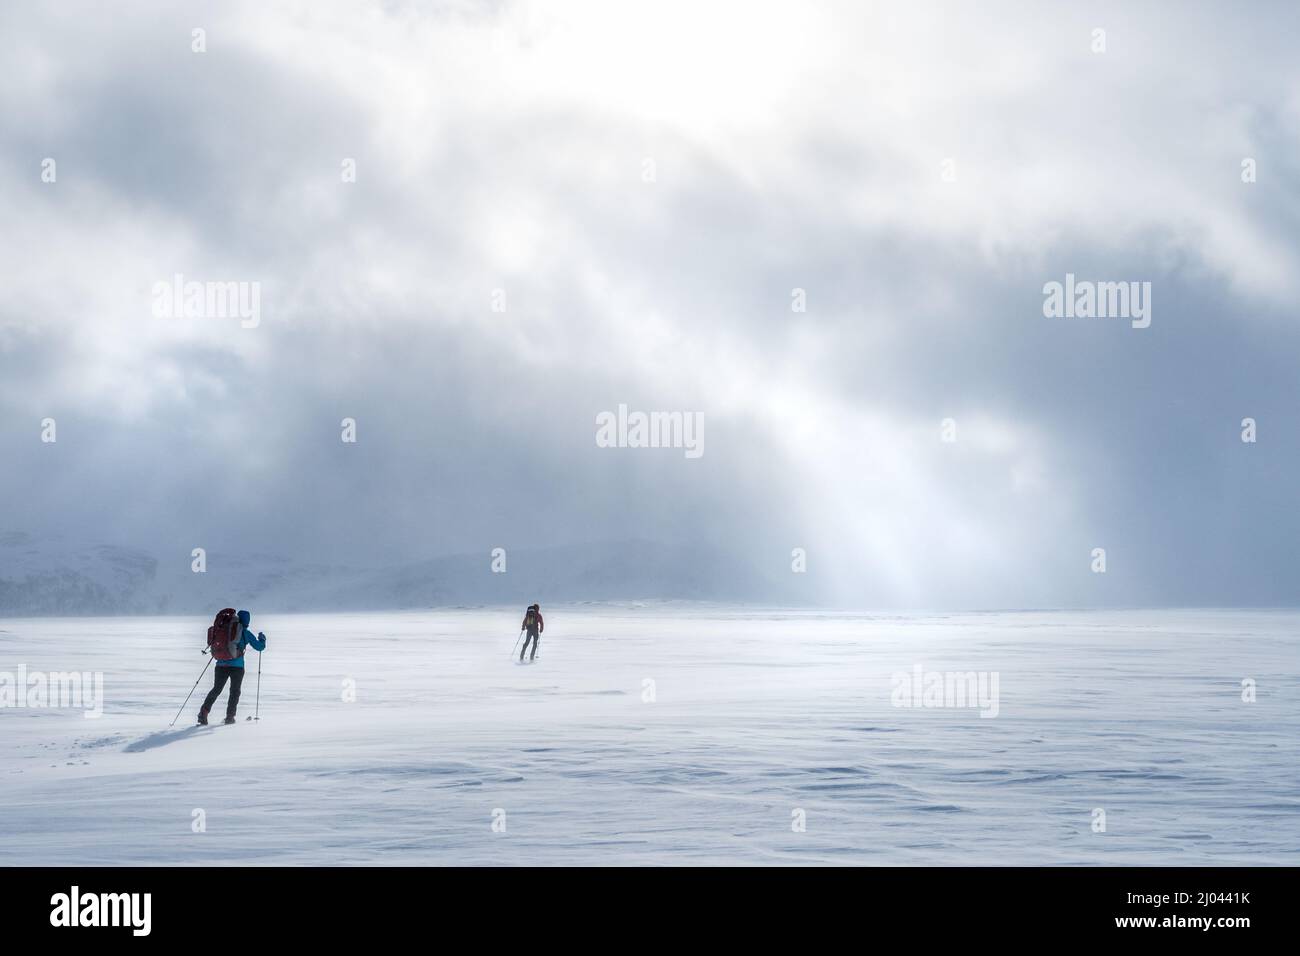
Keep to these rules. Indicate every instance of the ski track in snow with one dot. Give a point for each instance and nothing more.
(757, 713)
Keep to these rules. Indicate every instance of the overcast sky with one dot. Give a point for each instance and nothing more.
(649, 184)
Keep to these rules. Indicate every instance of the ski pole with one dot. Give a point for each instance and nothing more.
(257, 707)
(191, 693)
(516, 647)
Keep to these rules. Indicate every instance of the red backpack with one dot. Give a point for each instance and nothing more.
(223, 635)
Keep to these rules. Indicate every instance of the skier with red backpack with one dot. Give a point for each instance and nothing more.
(534, 625)
(227, 638)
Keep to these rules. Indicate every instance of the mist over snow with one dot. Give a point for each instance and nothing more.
(51, 578)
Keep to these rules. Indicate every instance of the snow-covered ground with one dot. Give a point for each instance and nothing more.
(755, 716)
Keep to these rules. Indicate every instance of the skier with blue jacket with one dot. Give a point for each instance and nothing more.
(233, 671)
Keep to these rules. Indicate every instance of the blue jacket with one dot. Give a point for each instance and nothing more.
(246, 639)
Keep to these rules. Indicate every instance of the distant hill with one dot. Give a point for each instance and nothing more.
(49, 578)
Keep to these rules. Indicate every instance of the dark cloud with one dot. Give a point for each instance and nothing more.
(490, 158)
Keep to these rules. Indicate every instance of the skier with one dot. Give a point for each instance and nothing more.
(232, 670)
(535, 625)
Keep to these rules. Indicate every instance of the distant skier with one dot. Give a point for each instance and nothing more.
(535, 625)
(227, 638)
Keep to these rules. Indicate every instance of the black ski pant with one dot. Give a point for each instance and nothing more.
(532, 636)
(236, 677)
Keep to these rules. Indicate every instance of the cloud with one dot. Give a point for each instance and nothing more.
(505, 147)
